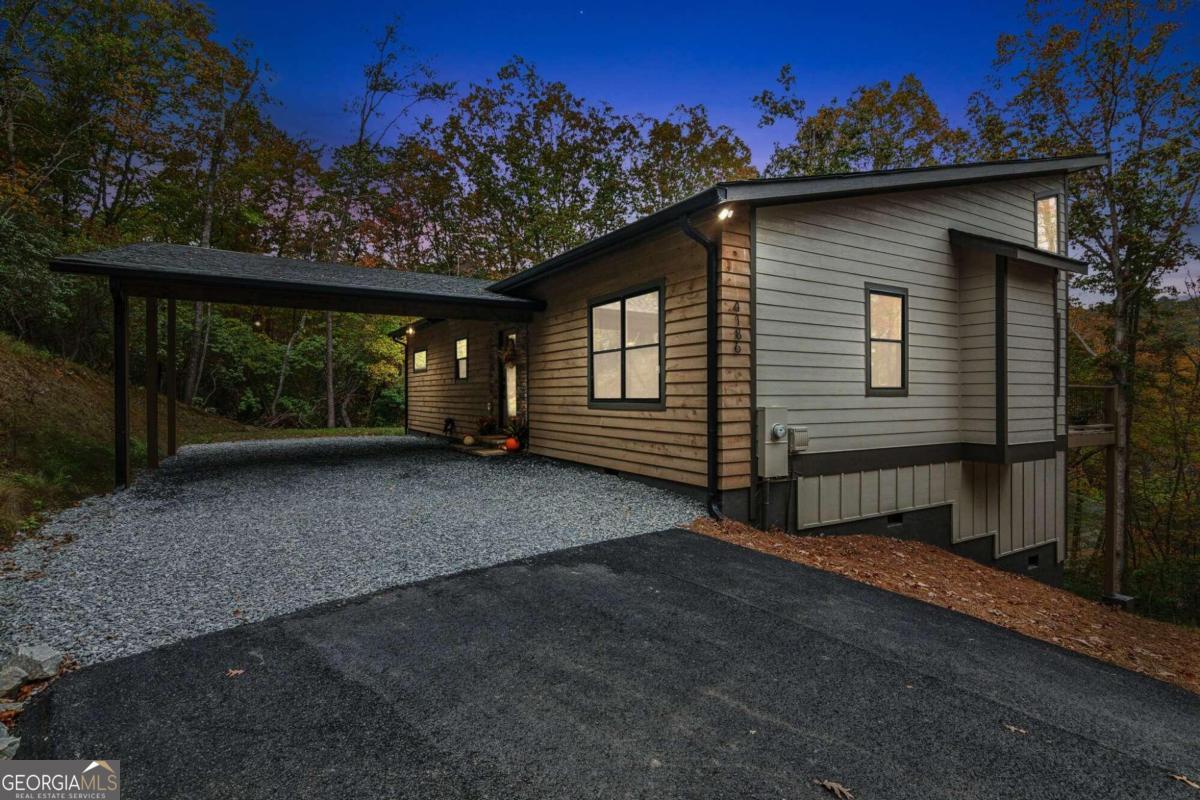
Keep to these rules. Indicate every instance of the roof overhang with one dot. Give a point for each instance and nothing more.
(775, 191)
(218, 276)
(1016, 251)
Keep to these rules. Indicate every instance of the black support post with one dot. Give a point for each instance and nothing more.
(170, 382)
(152, 382)
(120, 383)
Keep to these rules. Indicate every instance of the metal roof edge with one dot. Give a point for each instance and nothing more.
(1017, 251)
(783, 190)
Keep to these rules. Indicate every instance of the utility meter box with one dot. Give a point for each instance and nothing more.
(772, 445)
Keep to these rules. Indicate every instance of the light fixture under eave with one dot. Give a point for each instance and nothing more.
(409, 330)
(725, 213)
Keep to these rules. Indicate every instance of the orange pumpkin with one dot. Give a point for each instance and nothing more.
(512, 444)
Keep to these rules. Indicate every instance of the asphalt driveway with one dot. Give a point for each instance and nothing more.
(663, 665)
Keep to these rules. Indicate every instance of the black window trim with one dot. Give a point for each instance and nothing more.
(466, 361)
(648, 404)
(894, 291)
(425, 368)
(1058, 210)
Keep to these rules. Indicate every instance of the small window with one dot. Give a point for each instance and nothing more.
(887, 341)
(460, 360)
(1046, 216)
(626, 348)
(420, 361)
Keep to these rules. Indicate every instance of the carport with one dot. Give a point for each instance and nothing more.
(158, 272)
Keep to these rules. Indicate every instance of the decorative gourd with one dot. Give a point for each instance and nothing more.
(512, 444)
(468, 440)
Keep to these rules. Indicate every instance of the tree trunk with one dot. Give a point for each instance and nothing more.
(283, 368)
(191, 383)
(1118, 486)
(330, 403)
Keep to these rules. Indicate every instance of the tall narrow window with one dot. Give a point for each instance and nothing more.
(887, 341)
(420, 361)
(1046, 215)
(460, 360)
(626, 348)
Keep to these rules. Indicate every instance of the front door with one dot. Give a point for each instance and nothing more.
(508, 378)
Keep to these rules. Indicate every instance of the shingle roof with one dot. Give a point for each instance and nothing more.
(197, 265)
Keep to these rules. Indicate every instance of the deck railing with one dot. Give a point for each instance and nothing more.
(1090, 415)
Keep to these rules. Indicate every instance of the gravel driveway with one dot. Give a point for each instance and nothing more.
(229, 533)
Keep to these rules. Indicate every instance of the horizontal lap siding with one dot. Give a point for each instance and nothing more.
(977, 343)
(734, 353)
(434, 395)
(813, 260)
(1031, 402)
(669, 444)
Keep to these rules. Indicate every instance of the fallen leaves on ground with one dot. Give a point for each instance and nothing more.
(233, 672)
(1170, 653)
(1015, 729)
(835, 789)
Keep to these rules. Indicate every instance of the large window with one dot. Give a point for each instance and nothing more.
(460, 360)
(1046, 222)
(420, 361)
(626, 350)
(887, 341)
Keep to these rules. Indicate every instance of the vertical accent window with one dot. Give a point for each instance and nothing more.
(1046, 222)
(887, 341)
(460, 360)
(420, 361)
(625, 349)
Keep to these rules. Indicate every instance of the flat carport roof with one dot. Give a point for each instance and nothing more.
(177, 272)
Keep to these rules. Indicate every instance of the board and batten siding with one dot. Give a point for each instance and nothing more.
(1022, 505)
(434, 395)
(812, 263)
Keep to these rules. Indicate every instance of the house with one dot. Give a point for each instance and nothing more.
(875, 352)
(872, 352)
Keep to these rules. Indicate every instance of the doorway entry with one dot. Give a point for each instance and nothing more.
(509, 377)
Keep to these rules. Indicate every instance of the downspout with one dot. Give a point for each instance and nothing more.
(711, 351)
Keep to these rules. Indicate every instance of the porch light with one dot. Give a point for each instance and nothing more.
(409, 330)
(725, 213)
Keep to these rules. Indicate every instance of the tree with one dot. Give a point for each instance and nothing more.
(1108, 76)
(879, 127)
(682, 154)
(353, 187)
(540, 169)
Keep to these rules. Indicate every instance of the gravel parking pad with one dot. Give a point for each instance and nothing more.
(229, 533)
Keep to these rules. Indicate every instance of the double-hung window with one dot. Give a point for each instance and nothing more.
(421, 360)
(626, 349)
(460, 360)
(1046, 222)
(887, 341)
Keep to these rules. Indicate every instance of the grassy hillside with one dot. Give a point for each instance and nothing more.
(56, 433)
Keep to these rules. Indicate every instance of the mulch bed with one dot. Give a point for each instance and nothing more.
(1161, 650)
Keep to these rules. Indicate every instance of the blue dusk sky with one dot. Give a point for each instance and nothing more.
(639, 57)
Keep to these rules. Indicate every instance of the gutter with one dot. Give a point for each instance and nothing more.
(711, 351)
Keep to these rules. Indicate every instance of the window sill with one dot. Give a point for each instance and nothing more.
(628, 405)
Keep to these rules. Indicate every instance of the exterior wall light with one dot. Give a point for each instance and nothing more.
(725, 213)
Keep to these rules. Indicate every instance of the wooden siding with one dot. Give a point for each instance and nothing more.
(670, 443)
(434, 395)
(735, 351)
(1031, 401)
(1022, 505)
(812, 262)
